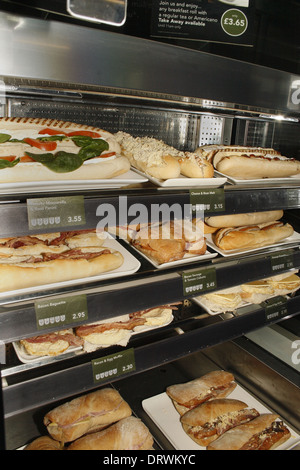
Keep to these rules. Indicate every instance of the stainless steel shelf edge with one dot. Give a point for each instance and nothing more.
(58, 385)
(54, 51)
(127, 296)
(14, 216)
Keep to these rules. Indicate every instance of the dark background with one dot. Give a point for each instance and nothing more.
(276, 40)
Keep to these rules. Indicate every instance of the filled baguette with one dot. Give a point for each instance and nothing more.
(85, 414)
(188, 395)
(262, 433)
(127, 434)
(252, 236)
(161, 161)
(239, 220)
(31, 261)
(250, 162)
(211, 419)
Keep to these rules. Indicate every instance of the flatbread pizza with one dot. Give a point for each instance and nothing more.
(33, 149)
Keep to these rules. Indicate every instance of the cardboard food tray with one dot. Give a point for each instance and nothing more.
(163, 413)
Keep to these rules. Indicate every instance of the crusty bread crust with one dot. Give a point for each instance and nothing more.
(88, 413)
(26, 275)
(252, 237)
(44, 443)
(127, 434)
(236, 438)
(239, 220)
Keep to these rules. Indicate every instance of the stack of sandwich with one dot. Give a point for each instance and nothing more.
(99, 420)
(248, 231)
(255, 292)
(217, 422)
(101, 334)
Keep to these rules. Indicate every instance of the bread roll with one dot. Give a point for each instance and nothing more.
(239, 437)
(239, 220)
(88, 413)
(216, 384)
(44, 443)
(211, 419)
(127, 434)
(252, 236)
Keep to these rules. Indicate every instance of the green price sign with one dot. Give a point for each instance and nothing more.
(275, 308)
(198, 282)
(55, 212)
(234, 22)
(60, 312)
(109, 367)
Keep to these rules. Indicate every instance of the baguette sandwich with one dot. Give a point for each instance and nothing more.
(85, 414)
(262, 433)
(160, 160)
(127, 434)
(31, 261)
(211, 419)
(118, 330)
(250, 162)
(51, 344)
(186, 396)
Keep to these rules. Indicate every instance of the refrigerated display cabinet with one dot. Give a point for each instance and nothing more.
(186, 98)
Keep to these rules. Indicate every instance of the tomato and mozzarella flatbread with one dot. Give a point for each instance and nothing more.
(33, 149)
(57, 257)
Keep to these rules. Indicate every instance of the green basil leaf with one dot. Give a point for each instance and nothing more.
(60, 162)
(82, 140)
(93, 150)
(4, 138)
(7, 164)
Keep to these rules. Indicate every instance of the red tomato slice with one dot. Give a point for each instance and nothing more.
(106, 155)
(92, 134)
(70, 134)
(9, 158)
(48, 146)
(49, 131)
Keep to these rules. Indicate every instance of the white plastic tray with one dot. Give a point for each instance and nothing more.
(295, 238)
(289, 180)
(163, 413)
(130, 177)
(185, 182)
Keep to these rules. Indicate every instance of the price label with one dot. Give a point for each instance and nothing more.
(60, 312)
(212, 200)
(234, 22)
(282, 261)
(114, 365)
(198, 282)
(275, 308)
(54, 212)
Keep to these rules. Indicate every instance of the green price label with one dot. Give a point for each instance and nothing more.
(234, 22)
(210, 200)
(275, 308)
(54, 212)
(282, 261)
(60, 312)
(198, 282)
(109, 367)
